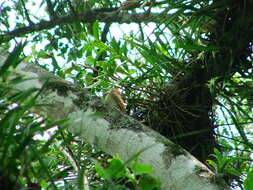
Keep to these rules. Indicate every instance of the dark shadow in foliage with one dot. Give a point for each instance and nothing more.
(182, 108)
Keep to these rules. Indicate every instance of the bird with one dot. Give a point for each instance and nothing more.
(114, 98)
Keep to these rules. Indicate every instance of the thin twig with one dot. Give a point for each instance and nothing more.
(26, 13)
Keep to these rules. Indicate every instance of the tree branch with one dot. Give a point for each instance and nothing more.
(107, 15)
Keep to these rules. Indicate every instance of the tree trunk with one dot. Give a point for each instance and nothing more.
(114, 132)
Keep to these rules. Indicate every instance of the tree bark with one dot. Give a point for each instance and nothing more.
(86, 17)
(114, 132)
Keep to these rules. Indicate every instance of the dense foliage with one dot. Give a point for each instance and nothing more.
(184, 68)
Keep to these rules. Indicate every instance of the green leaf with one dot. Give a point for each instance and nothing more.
(43, 55)
(95, 30)
(90, 60)
(115, 45)
(234, 172)
(12, 59)
(101, 171)
(117, 168)
(248, 183)
(139, 169)
(22, 96)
